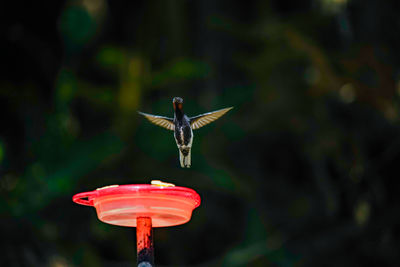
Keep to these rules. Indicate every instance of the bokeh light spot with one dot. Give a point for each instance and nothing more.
(110, 57)
(347, 93)
(77, 26)
(362, 212)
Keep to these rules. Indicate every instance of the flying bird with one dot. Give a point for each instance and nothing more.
(183, 127)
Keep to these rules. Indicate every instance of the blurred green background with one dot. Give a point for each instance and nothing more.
(303, 172)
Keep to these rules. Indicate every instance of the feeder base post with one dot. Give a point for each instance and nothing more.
(144, 239)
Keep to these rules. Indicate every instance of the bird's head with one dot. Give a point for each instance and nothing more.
(177, 102)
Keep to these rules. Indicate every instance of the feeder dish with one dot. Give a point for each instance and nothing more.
(123, 204)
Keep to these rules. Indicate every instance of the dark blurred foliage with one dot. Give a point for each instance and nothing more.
(303, 172)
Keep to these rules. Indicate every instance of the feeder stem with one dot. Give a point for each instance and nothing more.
(144, 238)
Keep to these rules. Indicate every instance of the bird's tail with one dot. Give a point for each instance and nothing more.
(185, 157)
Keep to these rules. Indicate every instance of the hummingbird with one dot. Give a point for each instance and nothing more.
(183, 127)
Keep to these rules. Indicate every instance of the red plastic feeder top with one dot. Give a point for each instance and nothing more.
(165, 204)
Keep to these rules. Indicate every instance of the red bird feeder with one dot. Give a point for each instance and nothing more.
(142, 206)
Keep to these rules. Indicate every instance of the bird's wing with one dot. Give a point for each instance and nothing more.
(204, 119)
(167, 123)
